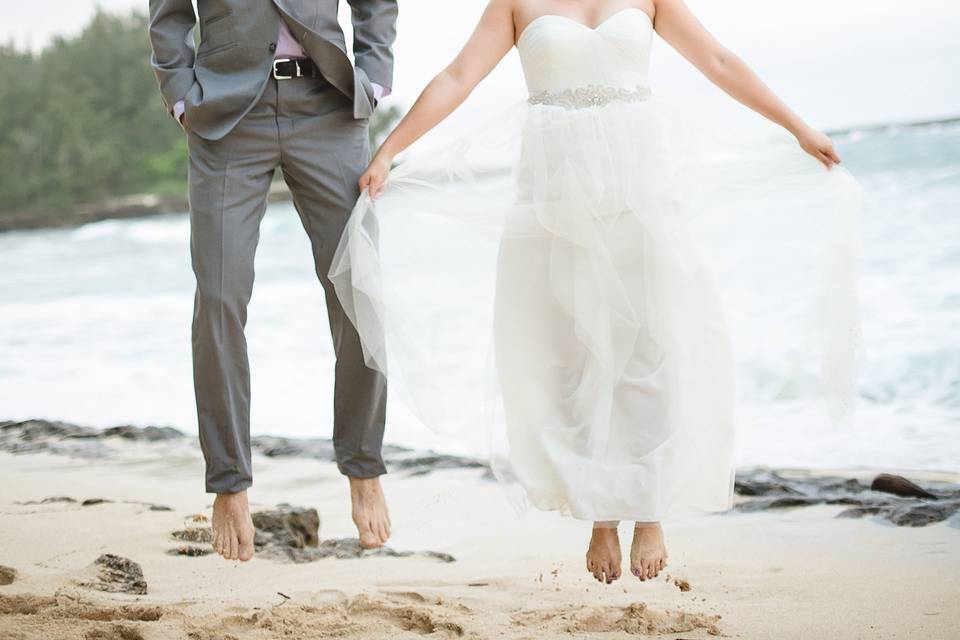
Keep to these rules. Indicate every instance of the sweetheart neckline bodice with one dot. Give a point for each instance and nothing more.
(597, 28)
(559, 53)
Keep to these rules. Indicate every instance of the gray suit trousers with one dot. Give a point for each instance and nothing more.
(307, 128)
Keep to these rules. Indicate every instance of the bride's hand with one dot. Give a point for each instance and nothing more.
(375, 175)
(819, 145)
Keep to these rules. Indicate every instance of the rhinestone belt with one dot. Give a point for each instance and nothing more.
(589, 96)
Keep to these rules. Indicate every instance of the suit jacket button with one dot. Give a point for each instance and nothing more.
(273, 47)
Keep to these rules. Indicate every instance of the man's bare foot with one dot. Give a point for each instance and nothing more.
(648, 553)
(603, 556)
(232, 526)
(370, 512)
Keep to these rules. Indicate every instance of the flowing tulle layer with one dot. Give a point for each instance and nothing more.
(541, 288)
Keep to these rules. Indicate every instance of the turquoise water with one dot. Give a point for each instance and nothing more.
(95, 322)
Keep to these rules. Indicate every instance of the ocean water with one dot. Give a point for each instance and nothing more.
(95, 326)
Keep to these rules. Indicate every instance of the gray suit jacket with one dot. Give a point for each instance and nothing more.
(222, 79)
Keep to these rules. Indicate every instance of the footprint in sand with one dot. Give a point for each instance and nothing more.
(635, 619)
(68, 616)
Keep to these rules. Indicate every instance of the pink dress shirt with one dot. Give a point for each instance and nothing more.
(287, 47)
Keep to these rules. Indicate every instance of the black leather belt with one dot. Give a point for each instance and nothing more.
(289, 68)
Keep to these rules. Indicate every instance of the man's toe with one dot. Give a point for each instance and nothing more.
(245, 551)
(368, 539)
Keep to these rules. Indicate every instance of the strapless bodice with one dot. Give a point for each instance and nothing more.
(559, 53)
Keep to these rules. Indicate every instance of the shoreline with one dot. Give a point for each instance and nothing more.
(112, 547)
(143, 205)
(150, 204)
(925, 498)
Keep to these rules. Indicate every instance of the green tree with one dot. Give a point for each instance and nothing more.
(82, 121)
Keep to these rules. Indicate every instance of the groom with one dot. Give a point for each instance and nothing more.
(270, 85)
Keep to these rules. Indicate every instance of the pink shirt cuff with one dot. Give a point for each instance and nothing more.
(379, 92)
(178, 110)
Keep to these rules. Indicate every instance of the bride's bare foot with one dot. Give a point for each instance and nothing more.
(603, 556)
(648, 553)
(370, 512)
(232, 526)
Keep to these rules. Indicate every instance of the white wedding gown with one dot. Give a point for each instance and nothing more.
(535, 286)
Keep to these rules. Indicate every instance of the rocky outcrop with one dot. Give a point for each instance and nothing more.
(286, 526)
(890, 497)
(344, 548)
(397, 459)
(115, 574)
(35, 436)
(292, 534)
(7, 575)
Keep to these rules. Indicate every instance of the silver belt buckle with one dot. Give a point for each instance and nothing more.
(279, 77)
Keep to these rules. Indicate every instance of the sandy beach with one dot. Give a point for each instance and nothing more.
(785, 573)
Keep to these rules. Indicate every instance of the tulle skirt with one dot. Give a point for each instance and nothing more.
(542, 289)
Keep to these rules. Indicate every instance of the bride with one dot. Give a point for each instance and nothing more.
(564, 242)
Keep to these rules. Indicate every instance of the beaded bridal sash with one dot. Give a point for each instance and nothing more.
(589, 96)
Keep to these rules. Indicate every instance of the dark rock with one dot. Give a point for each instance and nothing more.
(191, 551)
(92, 501)
(117, 575)
(776, 502)
(31, 436)
(770, 483)
(159, 507)
(907, 514)
(859, 512)
(900, 486)
(287, 526)
(861, 500)
(273, 447)
(920, 515)
(7, 575)
(846, 500)
(292, 534)
(397, 459)
(350, 548)
(194, 534)
(890, 497)
(415, 464)
(762, 484)
(344, 548)
(144, 434)
(50, 500)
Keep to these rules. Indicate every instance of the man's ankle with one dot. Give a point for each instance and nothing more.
(372, 480)
(237, 495)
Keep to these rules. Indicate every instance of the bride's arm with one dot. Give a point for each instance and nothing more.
(677, 25)
(491, 41)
